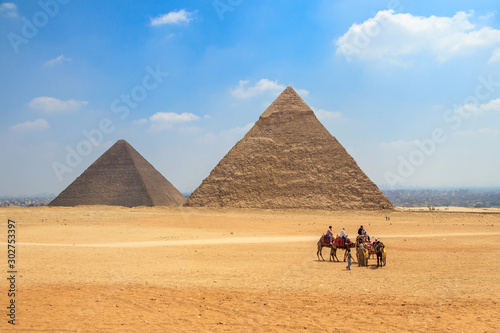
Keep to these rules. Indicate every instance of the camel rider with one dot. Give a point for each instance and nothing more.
(329, 233)
(376, 241)
(363, 232)
(343, 235)
(360, 230)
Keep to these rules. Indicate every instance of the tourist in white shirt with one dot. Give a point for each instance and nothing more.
(343, 235)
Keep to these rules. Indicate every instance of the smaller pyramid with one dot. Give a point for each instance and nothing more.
(120, 177)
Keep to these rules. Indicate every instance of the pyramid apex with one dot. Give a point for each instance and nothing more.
(290, 90)
(121, 143)
(288, 102)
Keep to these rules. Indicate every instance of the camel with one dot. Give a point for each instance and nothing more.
(333, 251)
(321, 245)
(379, 251)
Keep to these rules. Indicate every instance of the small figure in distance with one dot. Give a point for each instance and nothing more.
(329, 233)
(349, 259)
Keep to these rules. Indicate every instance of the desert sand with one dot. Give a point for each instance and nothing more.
(113, 269)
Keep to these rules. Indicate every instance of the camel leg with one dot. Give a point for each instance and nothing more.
(334, 252)
(320, 252)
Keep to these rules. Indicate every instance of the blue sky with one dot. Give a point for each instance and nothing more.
(410, 88)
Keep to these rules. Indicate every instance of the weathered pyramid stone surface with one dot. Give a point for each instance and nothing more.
(120, 177)
(289, 160)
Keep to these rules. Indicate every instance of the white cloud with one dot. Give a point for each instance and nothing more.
(57, 60)
(392, 37)
(302, 92)
(50, 104)
(175, 17)
(39, 124)
(9, 9)
(165, 120)
(471, 108)
(173, 117)
(261, 87)
(495, 57)
(323, 114)
(264, 86)
(487, 16)
(491, 106)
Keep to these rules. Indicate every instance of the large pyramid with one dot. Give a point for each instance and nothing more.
(288, 160)
(120, 177)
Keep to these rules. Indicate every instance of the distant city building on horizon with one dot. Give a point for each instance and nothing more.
(26, 201)
(423, 197)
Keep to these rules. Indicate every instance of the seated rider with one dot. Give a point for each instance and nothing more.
(329, 233)
(360, 230)
(343, 235)
(363, 232)
(376, 241)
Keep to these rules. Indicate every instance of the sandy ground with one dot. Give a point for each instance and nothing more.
(104, 269)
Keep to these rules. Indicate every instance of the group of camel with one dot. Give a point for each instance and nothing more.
(363, 251)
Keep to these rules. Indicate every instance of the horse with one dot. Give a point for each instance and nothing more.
(379, 251)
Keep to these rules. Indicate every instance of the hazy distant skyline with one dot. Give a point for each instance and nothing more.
(411, 89)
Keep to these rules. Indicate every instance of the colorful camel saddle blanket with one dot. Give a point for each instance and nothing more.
(338, 242)
(325, 240)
